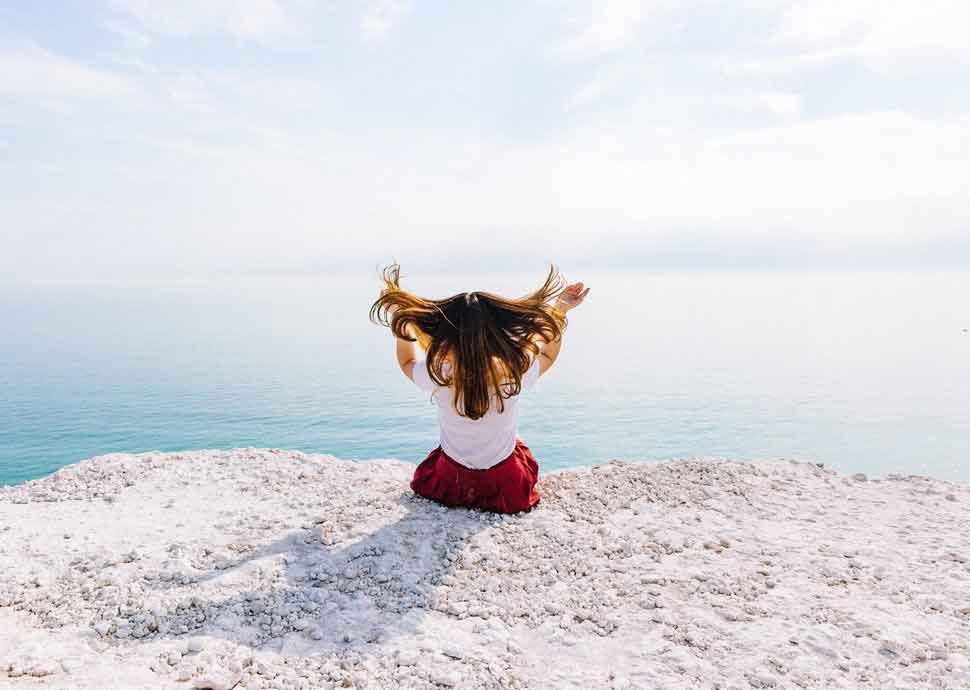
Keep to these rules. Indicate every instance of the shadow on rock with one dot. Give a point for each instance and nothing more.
(300, 593)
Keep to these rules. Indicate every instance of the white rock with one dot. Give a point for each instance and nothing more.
(896, 542)
(216, 681)
(445, 678)
(408, 657)
(46, 667)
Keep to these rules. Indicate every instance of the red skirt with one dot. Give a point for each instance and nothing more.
(508, 487)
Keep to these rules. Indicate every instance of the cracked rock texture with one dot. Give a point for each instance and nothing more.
(265, 569)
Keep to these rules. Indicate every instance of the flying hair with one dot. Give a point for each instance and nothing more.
(487, 341)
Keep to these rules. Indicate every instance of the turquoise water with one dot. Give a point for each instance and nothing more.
(866, 372)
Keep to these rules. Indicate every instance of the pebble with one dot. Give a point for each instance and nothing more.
(40, 669)
(408, 657)
(216, 681)
(445, 678)
(453, 652)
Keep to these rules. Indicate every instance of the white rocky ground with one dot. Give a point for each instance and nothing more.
(268, 569)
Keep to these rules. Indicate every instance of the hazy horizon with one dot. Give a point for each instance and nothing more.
(865, 372)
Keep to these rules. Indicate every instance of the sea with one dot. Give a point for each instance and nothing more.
(865, 372)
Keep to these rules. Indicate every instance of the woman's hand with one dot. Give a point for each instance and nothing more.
(571, 297)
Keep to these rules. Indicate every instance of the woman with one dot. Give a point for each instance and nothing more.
(480, 352)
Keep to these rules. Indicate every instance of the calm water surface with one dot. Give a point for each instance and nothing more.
(866, 372)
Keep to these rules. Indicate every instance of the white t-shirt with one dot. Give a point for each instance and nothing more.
(476, 443)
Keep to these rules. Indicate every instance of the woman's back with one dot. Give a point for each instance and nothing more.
(476, 443)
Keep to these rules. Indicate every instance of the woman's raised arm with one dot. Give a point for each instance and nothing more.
(570, 298)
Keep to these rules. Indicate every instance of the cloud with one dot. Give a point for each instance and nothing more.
(881, 180)
(878, 32)
(611, 26)
(34, 72)
(782, 35)
(630, 136)
(777, 103)
(587, 93)
(133, 39)
(258, 20)
(777, 64)
(380, 17)
(835, 179)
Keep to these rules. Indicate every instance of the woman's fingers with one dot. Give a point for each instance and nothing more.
(578, 289)
(578, 297)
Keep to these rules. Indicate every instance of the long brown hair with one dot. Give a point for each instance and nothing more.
(488, 340)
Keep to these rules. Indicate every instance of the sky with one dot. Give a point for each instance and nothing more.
(183, 138)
